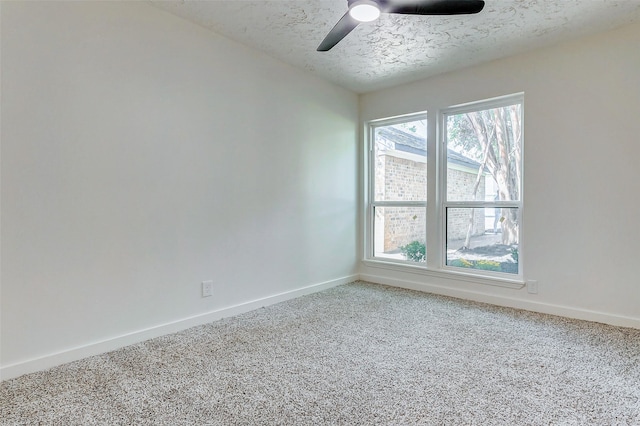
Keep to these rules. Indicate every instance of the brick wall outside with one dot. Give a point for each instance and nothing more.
(458, 223)
(459, 188)
(402, 179)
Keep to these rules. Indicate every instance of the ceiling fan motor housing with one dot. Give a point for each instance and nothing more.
(350, 20)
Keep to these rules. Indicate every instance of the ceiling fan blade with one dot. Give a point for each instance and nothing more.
(345, 25)
(434, 7)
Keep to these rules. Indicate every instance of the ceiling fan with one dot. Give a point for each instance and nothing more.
(369, 10)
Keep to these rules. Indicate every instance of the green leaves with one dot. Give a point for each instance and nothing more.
(415, 251)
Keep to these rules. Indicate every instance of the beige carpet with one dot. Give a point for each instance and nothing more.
(357, 354)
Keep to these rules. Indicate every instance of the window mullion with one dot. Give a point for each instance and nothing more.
(399, 203)
(479, 204)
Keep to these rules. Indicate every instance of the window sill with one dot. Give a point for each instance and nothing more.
(516, 284)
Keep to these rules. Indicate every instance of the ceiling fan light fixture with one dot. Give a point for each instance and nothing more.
(364, 10)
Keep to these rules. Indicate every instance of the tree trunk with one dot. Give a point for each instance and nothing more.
(485, 158)
(492, 132)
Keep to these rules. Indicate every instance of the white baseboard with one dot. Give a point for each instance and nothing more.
(96, 348)
(545, 308)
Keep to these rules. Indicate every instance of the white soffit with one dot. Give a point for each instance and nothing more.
(400, 48)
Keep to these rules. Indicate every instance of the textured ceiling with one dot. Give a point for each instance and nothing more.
(400, 48)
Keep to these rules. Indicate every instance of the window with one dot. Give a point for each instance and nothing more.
(399, 188)
(476, 216)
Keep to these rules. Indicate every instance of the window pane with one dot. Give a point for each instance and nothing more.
(484, 151)
(400, 162)
(400, 233)
(483, 239)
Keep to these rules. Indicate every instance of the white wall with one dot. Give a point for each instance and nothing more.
(582, 172)
(141, 155)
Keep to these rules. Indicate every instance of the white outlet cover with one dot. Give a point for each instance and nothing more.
(207, 288)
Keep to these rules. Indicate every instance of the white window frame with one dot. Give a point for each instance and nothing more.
(370, 182)
(444, 203)
(435, 266)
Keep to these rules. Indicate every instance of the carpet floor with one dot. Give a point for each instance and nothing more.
(357, 354)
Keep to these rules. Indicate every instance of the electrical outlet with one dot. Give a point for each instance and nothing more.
(532, 286)
(207, 288)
